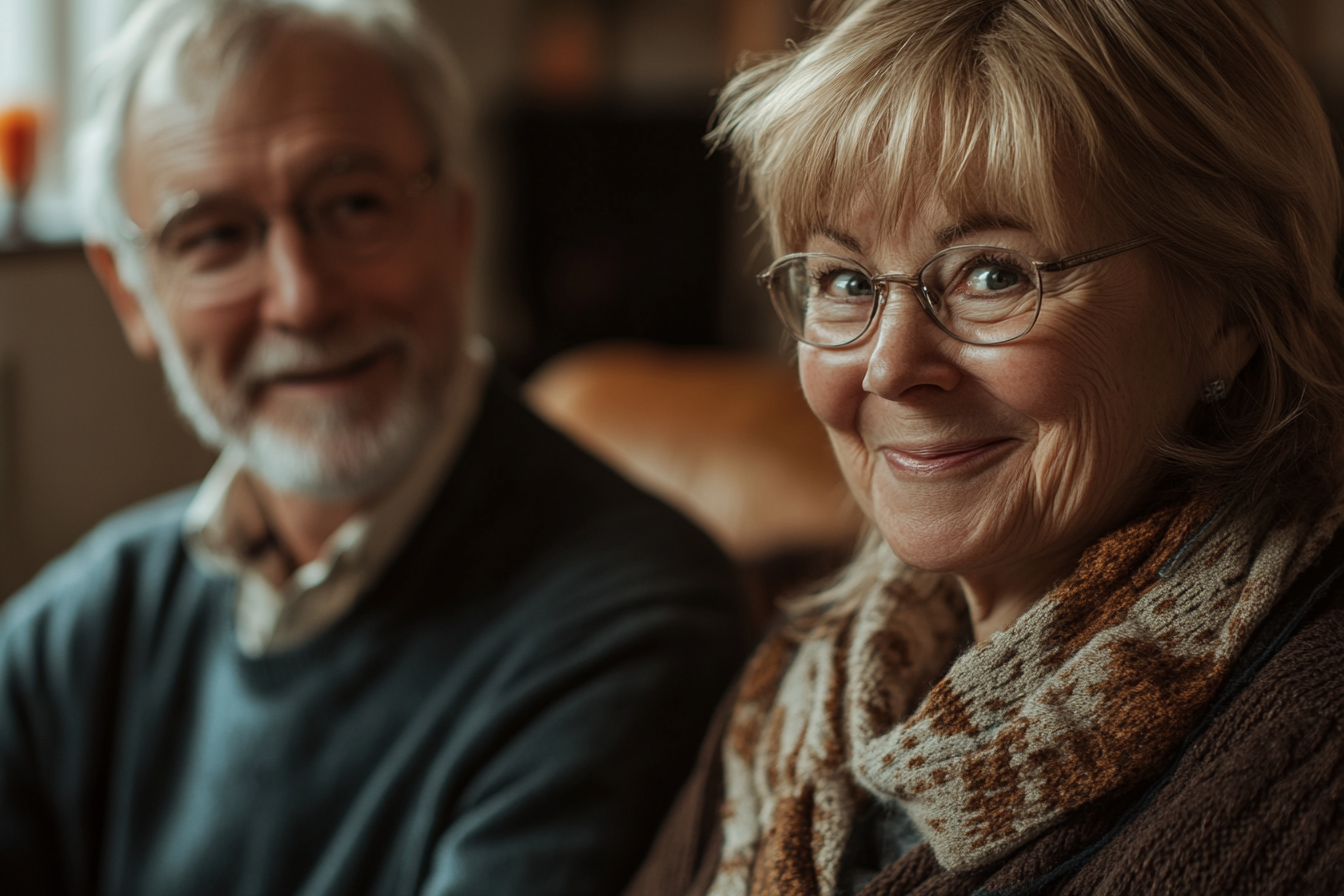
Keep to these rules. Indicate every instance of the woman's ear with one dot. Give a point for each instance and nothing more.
(1234, 344)
(134, 324)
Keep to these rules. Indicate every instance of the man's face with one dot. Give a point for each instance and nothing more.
(308, 281)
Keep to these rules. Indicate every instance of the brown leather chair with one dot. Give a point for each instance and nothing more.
(726, 437)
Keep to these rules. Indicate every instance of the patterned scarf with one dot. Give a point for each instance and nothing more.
(1089, 692)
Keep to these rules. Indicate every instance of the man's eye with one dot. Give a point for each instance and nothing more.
(356, 204)
(356, 214)
(216, 235)
(210, 243)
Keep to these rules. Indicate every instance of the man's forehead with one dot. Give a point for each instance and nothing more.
(295, 70)
(311, 92)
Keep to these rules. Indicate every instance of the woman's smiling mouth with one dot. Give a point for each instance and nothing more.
(946, 457)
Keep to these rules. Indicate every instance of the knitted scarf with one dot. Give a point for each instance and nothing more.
(1088, 692)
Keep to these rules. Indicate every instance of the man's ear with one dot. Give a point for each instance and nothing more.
(134, 324)
(463, 214)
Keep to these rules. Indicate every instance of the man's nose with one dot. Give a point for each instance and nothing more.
(297, 294)
(907, 349)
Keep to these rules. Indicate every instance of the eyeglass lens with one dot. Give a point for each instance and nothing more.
(979, 294)
(213, 251)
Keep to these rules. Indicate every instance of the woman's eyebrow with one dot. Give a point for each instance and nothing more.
(947, 236)
(838, 236)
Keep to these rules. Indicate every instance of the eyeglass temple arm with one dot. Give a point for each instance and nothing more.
(1074, 261)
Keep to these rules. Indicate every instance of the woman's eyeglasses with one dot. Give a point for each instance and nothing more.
(982, 295)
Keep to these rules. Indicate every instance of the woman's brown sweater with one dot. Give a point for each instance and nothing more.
(1252, 802)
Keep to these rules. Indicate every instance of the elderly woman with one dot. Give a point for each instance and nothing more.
(1060, 275)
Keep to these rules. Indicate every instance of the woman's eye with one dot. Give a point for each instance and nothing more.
(992, 278)
(846, 284)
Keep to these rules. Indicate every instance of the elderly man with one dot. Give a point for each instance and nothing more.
(404, 638)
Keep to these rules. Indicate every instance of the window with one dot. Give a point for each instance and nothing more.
(45, 46)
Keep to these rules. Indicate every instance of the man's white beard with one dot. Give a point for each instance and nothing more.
(334, 452)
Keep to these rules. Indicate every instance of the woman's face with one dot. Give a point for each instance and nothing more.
(1003, 463)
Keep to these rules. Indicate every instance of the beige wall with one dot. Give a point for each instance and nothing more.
(85, 429)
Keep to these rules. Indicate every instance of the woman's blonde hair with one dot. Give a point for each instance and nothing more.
(1187, 119)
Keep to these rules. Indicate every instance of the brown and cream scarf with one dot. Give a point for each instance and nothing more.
(1090, 691)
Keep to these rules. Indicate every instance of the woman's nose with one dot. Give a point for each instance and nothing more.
(907, 349)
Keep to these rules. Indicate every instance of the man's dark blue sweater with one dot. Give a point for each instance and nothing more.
(508, 711)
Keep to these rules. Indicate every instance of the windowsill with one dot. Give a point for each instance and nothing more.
(50, 223)
(40, 247)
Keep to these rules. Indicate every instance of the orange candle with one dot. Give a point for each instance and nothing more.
(18, 148)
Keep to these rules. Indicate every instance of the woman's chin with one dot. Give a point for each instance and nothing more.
(941, 528)
(933, 548)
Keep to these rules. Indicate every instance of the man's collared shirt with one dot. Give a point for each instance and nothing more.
(226, 530)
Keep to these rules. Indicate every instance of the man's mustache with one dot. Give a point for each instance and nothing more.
(278, 355)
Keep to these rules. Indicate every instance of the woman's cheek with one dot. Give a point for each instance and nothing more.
(833, 387)
(834, 390)
(856, 464)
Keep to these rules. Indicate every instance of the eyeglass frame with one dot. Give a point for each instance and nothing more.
(916, 284)
(414, 186)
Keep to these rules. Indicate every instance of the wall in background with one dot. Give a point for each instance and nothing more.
(604, 75)
(86, 428)
(1315, 31)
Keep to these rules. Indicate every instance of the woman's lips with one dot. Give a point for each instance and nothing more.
(934, 459)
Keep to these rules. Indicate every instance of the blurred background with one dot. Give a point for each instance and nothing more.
(605, 219)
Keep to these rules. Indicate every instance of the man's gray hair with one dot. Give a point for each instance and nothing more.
(203, 45)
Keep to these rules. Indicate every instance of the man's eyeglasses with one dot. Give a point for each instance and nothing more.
(211, 248)
(982, 295)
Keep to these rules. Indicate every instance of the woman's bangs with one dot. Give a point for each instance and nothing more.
(942, 128)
